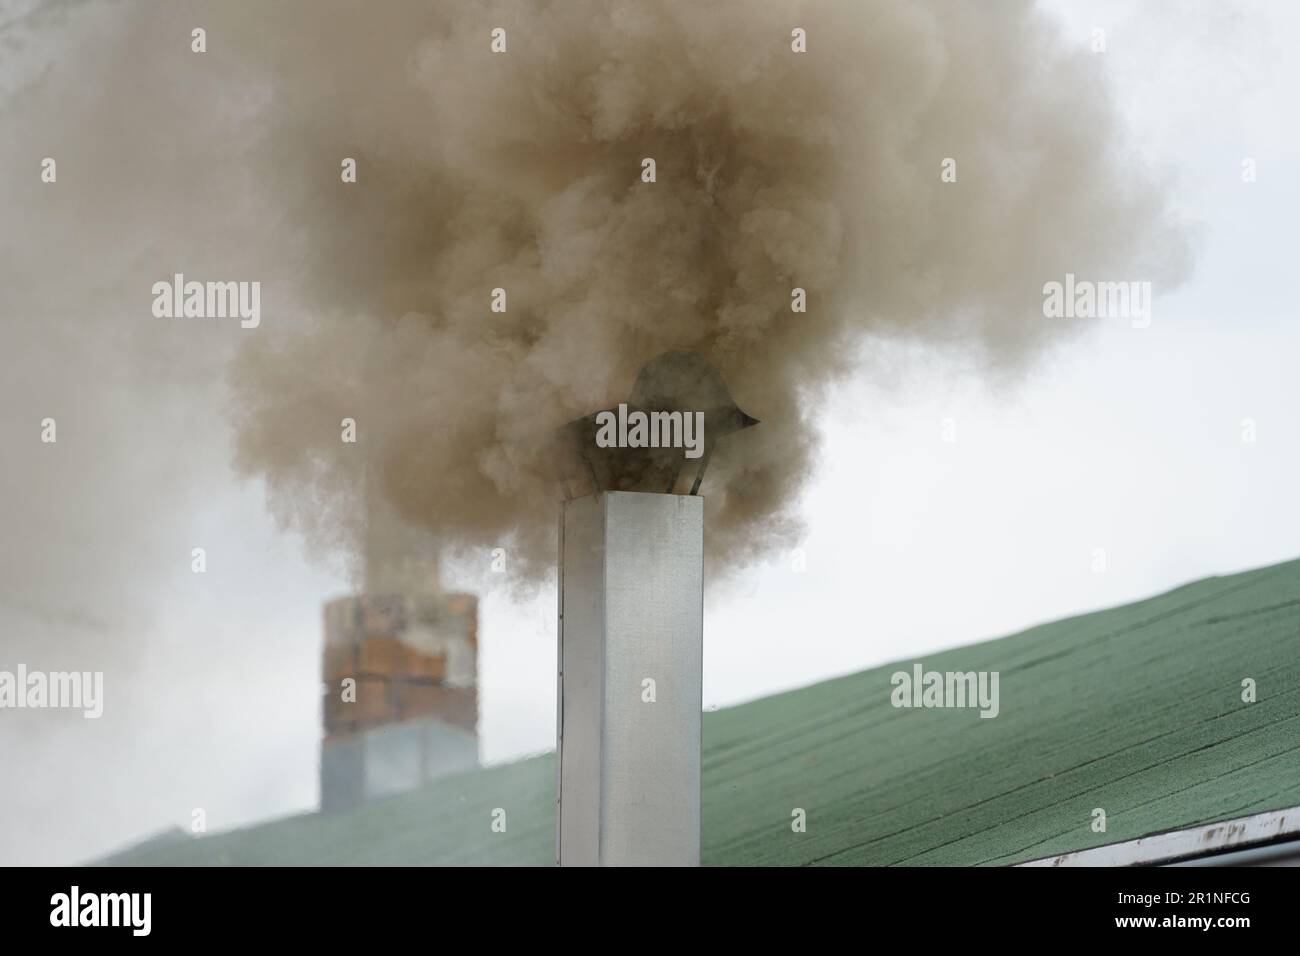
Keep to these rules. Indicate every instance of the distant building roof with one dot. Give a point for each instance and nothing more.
(1136, 710)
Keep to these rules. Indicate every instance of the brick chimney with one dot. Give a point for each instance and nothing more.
(400, 703)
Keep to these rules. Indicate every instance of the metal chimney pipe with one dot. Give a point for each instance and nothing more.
(630, 679)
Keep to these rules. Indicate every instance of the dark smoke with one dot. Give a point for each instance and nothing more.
(774, 170)
(522, 170)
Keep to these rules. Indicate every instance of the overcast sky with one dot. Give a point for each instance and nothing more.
(1122, 439)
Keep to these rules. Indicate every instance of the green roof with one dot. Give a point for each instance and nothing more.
(1136, 710)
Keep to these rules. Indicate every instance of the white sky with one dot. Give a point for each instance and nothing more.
(1122, 439)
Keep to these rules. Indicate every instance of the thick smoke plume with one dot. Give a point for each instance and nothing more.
(775, 169)
(521, 170)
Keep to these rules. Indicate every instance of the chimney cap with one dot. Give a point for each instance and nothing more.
(684, 382)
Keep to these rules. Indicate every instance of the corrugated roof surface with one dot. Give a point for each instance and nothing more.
(1136, 710)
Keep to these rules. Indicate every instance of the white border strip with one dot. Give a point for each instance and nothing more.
(1186, 844)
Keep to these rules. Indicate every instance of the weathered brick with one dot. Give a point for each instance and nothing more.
(461, 605)
(427, 666)
(383, 614)
(339, 660)
(385, 656)
(418, 700)
(375, 703)
(457, 706)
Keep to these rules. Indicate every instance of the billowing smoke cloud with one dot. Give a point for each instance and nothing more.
(522, 170)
